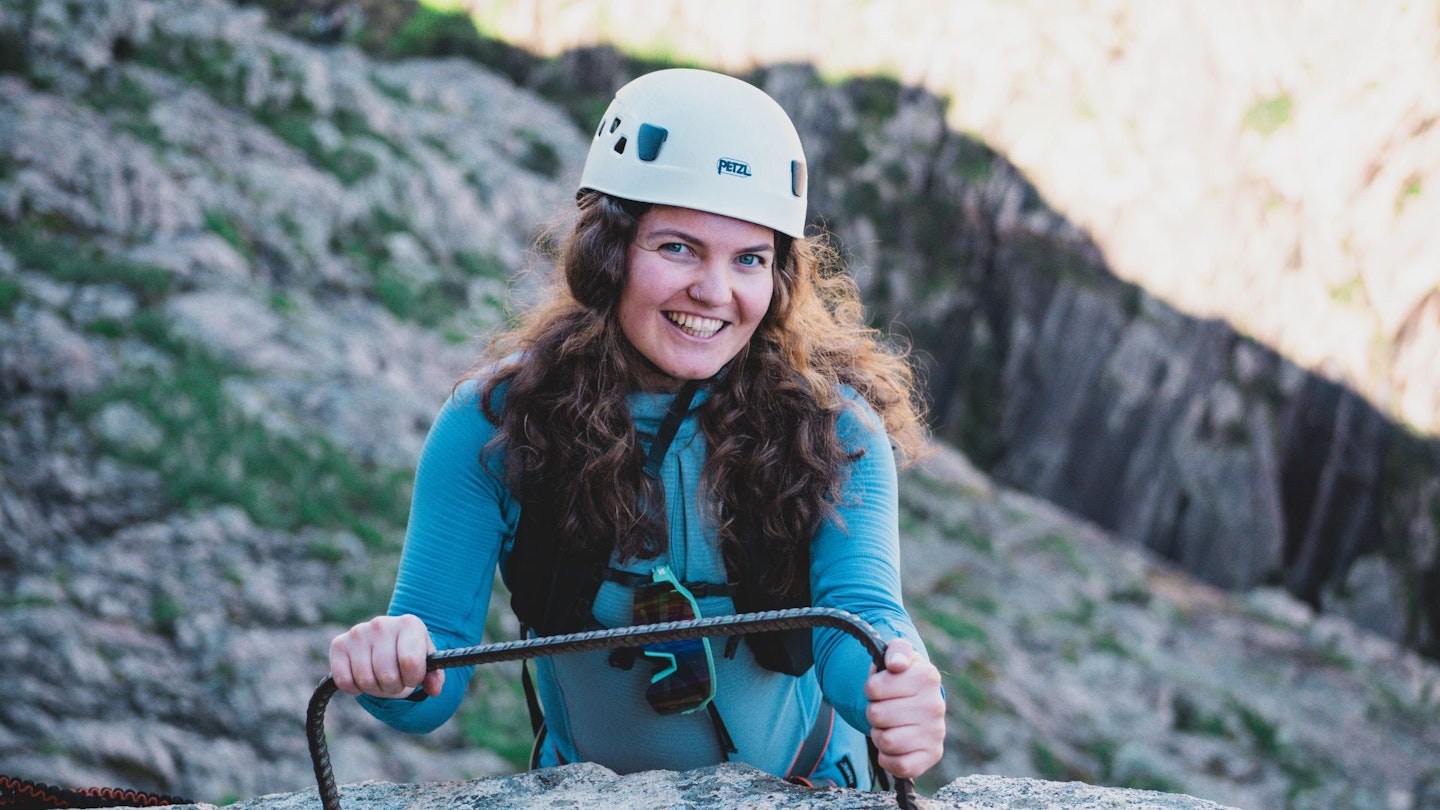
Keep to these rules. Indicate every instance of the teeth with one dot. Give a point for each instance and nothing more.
(695, 325)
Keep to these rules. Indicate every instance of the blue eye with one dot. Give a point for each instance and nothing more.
(676, 248)
(751, 260)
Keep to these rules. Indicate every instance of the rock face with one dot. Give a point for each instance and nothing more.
(1275, 168)
(239, 273)
(724, 787)
(1176, 432)
(1173, 432)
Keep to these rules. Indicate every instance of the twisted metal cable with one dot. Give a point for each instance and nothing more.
(740, 624)
(17, 792)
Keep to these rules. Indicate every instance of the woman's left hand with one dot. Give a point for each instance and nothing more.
(906, 711)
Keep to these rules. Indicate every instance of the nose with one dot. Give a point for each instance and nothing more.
(712, 286)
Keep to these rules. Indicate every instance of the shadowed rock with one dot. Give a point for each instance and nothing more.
(583, 786)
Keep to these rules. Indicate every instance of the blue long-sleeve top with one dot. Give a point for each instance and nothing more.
(463, 520)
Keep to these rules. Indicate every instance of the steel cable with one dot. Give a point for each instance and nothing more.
(740, 624)
(24, 793)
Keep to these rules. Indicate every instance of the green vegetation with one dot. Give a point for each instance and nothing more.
(213, 453)
(10, 293)
(1352, 292)
(211, 66)
(348, 162)
(970, 684)
(478, 265)
(1410, 191)
(1191, 718)
(226, 229)
(1105, 751)
(877, 97)
(204, 64)
(953, 625)
(118, 93)
(1057, 546)
(430, 32)
(14, 52)
(1109, 642)
(494, 716)
(974, 161)
(430, 301)
(1050, 765)
(71, 260)
(540, 155)
(164, 613)
(1268, 115)
(1265, 736)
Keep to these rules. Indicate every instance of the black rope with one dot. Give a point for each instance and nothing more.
(769, 621)
(23, 793)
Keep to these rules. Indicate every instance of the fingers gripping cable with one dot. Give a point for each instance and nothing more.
(741, 624)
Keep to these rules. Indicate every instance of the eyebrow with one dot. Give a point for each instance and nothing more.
(686, 236)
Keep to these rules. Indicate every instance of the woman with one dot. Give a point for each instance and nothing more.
(697, 420)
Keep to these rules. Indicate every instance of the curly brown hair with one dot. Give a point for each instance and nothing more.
(775, 463)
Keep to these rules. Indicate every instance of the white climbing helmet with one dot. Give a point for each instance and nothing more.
(702, 140)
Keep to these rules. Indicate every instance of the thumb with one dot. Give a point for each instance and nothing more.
(899, 655)
(434, 682)
(435, 678)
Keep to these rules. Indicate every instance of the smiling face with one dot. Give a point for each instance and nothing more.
(696, 287)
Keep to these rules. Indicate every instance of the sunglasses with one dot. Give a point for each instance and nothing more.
(684, 678)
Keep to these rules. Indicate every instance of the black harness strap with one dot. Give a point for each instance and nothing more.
(807, 759)
(679, 407)
(722, 734)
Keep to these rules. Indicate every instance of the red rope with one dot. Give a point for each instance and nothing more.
(23, 794)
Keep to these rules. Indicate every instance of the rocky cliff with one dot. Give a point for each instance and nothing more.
(1081, 377)
(727, 787)
(1270, 164)
(238, 274)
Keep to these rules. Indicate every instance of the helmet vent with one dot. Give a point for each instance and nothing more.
(650, 138)
(797, 178)
(620, 146)
(614, 125)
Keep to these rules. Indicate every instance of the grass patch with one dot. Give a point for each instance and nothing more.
(1351, 293)
(10, 295)
(432, 32)
(478, 265)
(1265, 736)
(70, 260)
(14, 52)
(970, 684)
(540, 155)
(164, 614)
(494, 716)
(954, 626)
(1110, 771)
(1191, 718)
(429, 302)
(123, 93)
(1266, 116)
(201, 64)
(213, 454)
(225, 228)
(1050, 765)
(875, 96)
(1108, 642)
(1411, 190)
(347, 162)
(1057, 546)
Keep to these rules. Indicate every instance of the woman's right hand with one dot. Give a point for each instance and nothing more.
(384, 657)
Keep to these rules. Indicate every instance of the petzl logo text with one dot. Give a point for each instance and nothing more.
(736, 168)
